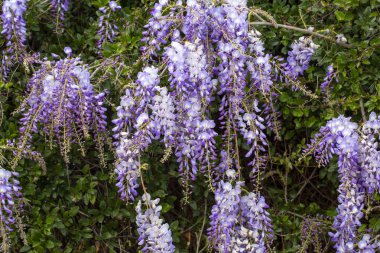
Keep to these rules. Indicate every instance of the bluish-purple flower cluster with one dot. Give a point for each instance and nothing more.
(59, 8)
(299, 57)
(155, 236)
(107, 28)
(10, 193)
(14, 31)
(239, 223)
(358, 169)
(209, 55)
(370, 154)
(62, 103)
(327, 81)
(134, 130)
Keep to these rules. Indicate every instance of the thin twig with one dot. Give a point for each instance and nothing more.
(303, 31)
(201, 231)
(362, 109)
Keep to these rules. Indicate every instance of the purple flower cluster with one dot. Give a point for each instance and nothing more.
(59, 8)
(134, 130)
(14, 31)
(211, 56)
(158, 29)
(327, 81)
(366, 245)
(239, 223)
(9, 194)
(358, 167)
(62, 102)
(299, 57)
(224, 215)
(107, 28)
(370, 155)
(154, 235)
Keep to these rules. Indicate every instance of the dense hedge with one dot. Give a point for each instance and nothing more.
(76, 207)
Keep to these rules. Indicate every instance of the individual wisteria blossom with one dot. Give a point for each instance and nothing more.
(155, 235)
(61, 102)
(327, 81)
(340, 38)
(357, 168)
(366, 245)
(10, 193)
(14, 30)
(59, 8)
(107, 28)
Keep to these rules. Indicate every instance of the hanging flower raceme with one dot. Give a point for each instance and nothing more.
(327, 81)
(155, 236)
(14, 31)
(61, 102)
(133, 130)
(59, 8)
(239, 223)
(10, 193)
(299, 57)
(340, 137)
(211, 56)
(370, 155)
(107, 28)
(224, 215)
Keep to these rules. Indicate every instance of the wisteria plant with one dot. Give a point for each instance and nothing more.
(200, 105)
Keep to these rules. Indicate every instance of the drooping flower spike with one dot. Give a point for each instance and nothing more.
(61, 102)
(326, 86)
(10, 193)
(212, 57)
(155, 236)
(239, 223)
(59, 8)
(107, 28)
(358, 169)
(14, 30)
